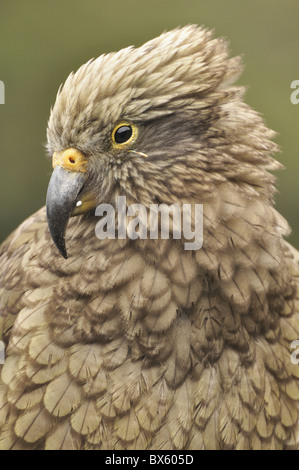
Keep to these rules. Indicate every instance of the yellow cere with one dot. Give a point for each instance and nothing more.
(70, 159)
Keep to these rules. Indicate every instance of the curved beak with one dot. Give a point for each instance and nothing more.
(62, 195)
(63, 200)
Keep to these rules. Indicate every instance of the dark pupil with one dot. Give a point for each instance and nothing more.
(123, 134)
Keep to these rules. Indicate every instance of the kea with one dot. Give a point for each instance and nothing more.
(115, 342)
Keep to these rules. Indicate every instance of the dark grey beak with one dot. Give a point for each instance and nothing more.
(63, 190)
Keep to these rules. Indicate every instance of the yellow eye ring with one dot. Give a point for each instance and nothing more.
(124, 135)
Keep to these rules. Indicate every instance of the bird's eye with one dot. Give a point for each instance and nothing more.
(123, 135)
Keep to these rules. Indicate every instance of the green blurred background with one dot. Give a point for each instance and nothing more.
(42, 42)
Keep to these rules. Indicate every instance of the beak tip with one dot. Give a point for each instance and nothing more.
(59, 242)
(63, 252)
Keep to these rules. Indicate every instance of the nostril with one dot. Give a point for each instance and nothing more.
(72, 160)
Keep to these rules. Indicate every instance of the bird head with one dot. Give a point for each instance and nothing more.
(162, 123)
